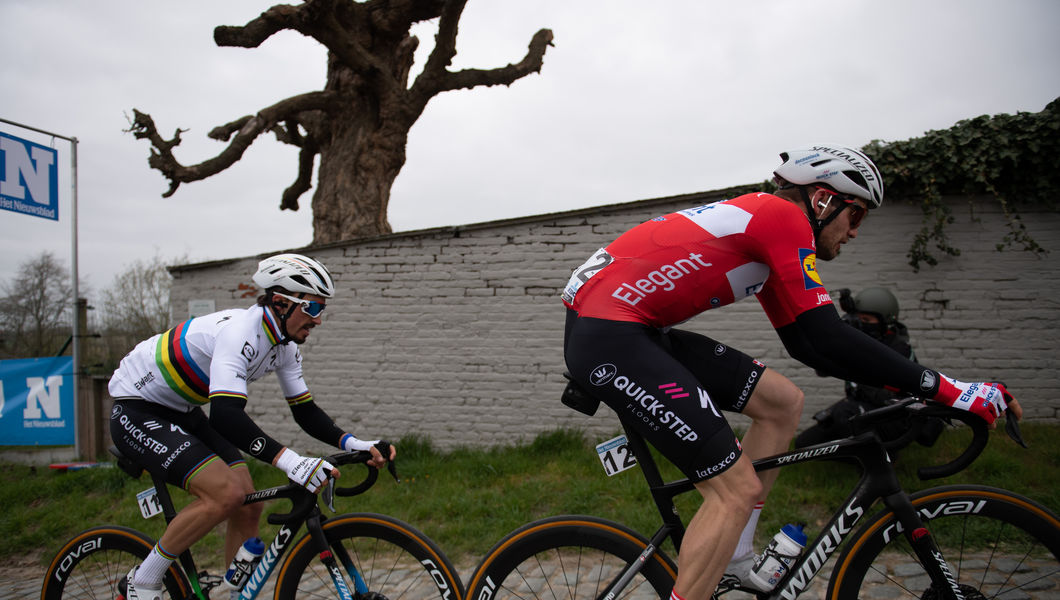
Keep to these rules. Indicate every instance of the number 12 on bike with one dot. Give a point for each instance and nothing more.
(615, 455)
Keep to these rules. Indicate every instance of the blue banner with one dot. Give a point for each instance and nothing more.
(37, 402)
(29, 178)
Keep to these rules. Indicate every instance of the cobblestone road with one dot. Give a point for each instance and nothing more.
(21, 581)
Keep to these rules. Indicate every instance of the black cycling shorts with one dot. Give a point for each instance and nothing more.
(670, 386)
(166, 441)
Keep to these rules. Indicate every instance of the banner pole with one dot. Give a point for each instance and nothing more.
(76, 329)
(75, 318)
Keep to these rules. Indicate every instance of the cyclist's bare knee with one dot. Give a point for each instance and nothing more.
(219, 489)
(775, 399)
(736, 488)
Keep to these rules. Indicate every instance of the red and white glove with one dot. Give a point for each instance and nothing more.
(310, 473)
(988, 400)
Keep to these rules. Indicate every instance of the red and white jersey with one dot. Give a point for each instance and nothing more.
(674, 267)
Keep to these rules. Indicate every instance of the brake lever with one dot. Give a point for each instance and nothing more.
(1012, 428)
(384, 449)
(328, 494)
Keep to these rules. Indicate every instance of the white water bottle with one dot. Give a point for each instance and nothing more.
(781, 553)
(243, 564)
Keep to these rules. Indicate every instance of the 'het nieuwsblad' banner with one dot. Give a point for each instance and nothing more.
(37, 402)
(29, 178)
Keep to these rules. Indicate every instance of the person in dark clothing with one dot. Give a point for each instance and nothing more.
(875, 312)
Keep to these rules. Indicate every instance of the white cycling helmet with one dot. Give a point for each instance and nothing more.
(294, 273)
(845, 170)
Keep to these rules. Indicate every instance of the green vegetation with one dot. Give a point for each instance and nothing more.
(467, 499)
(1015, 159)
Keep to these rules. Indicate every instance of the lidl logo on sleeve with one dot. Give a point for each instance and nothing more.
(810, 277)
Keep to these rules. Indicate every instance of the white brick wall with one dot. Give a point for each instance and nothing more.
(456, 333)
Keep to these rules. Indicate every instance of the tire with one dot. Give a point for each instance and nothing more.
(995, 542)
(572, 558)
(394, 559)
(92, 564)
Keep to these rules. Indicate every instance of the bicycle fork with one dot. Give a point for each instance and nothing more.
(923, 544)
(328, 552)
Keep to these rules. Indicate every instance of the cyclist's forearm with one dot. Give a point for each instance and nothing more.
(227, 417)
(824, 342)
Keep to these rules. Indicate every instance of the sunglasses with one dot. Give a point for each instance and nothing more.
(857, 211)
(309, 307)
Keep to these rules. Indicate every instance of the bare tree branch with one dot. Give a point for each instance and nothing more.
(255, 32)
(315, 19)
(289, 200)
(445, 41)
(531, 63)
(246, 130)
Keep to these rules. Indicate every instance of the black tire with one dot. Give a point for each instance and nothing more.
(569, 557)
(996, 543)
(95, 561)
(394, 559)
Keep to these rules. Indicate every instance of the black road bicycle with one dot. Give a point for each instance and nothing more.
(983, 543)
(361, 556)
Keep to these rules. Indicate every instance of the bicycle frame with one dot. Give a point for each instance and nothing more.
(305, 510)
(878, 481)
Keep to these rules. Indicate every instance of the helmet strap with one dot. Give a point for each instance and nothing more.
(818, 224)
(811, 213)
(282, 318)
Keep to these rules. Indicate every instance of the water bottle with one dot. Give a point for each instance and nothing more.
(782, 551)
(243, 564)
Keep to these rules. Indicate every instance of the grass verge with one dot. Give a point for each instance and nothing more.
(467, 499)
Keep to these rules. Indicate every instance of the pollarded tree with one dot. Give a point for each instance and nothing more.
(359, 123)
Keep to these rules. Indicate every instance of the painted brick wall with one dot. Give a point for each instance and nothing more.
(456, 333)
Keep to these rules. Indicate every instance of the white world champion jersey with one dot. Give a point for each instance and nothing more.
(218, 353)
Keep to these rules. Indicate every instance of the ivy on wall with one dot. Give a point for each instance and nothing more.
(1014, 159)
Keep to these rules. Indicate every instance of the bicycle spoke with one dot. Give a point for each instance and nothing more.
(997, 545)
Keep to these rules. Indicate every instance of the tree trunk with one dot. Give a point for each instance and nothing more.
(357, 168)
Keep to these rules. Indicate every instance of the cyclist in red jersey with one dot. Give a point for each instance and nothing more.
(672, 384)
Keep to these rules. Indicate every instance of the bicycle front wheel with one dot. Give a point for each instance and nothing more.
(389, 557)
(998, 545)
(570, 557)
(95, 561)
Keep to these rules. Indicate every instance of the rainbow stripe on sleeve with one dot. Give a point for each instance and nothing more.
(300, 399)
(180, 372)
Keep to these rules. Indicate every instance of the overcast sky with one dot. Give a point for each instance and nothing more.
(636, 100)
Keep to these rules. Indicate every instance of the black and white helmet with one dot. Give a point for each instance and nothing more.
(845, 170)
(294, 273)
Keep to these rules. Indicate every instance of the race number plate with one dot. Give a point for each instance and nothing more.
(597, 261)
(615, 455)
(148, 502)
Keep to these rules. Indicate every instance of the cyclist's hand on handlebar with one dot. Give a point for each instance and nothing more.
(350, 443)
(988, 400)
(378, 460)
(310, 473)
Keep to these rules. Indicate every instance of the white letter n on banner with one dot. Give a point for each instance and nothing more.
(43, 397)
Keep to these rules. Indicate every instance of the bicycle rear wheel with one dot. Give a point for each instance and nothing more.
(569, 557)
(392, 558)
(998, 545)
(92, 564)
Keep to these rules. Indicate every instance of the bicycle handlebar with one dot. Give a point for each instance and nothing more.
(913, 406)
(303, 500)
